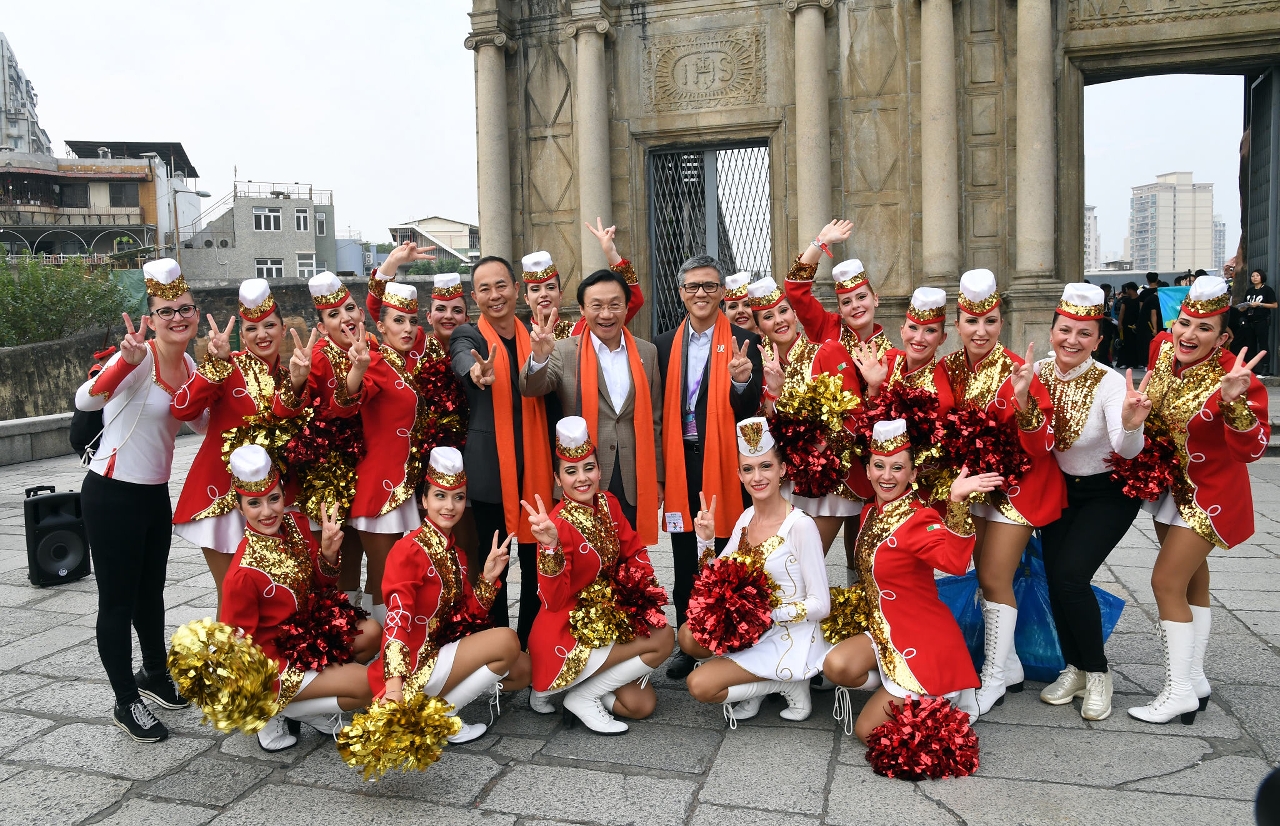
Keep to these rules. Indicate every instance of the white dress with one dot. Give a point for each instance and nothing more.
(793, 648)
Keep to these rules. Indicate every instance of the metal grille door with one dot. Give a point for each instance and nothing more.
(1264, 160)
(706, 202)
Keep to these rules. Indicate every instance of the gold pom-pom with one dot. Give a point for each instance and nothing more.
(401, 736)
(596, 621)
(850, 614)
(821, 398)
(225, 674)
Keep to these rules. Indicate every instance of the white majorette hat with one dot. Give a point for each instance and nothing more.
(164, 279)
(538, 267)
(754, 438)
(256, 301)
(764, 294)
(849, 275)
(1208, 296)
(978, 292)
(403, 297)
(573, 442)
(448, 285)
(928, 306)
(1083, 302)
(252, 473)
(735, 286)
(444, 468)
(327, 291)
(889, 437)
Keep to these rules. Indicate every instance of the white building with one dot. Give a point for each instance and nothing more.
(1092, 242)
(1219, 243)
(452, 239)
(1171, 224)
(19, 129)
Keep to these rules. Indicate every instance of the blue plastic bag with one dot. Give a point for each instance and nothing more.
(1036, 637)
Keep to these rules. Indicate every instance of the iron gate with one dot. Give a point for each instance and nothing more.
(706, 201)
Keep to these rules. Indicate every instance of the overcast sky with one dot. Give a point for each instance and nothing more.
(375, 101)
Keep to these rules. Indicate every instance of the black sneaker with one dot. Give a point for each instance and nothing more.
(159, 689)
(681, 666)
(141, 724)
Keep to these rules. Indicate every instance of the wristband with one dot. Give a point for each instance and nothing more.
(817, 242)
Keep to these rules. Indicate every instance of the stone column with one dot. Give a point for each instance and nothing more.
(493, 152)
(938, 142)
(591, 128)
(1036, 195)
(813, 121)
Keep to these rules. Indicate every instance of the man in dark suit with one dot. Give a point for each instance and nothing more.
(493, 289)
(701, 286)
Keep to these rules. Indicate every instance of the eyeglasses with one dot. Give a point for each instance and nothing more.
(613, 307)
(167, 313)
(708, 287)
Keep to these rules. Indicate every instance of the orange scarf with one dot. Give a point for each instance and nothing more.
(719, 439)
(646, 455)
(537, 450)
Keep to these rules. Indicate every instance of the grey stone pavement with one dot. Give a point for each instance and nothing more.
(62, 761)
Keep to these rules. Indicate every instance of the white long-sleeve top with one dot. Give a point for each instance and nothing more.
(1100, 431)
(138, 430)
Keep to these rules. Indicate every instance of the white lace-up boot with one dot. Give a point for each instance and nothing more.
(1201, 622)
(480, 681)
(1176, 699)
(585, 701)
(1000, 620)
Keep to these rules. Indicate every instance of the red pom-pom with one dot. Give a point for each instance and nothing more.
(460, 622)
(979, 441)
(1149, 474)
(323, 438)
(639, 596)
(322, 633)
(815, 467)
(916, 406)
(729, 608)
(928, 737)
(447, 410)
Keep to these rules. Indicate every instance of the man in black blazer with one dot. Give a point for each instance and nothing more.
(701, 286)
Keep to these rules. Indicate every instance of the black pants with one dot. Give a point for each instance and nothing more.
(489, 518)
(684, 546)
(1257, 338)
(620, 492)
(129, 528)
(1095, 520)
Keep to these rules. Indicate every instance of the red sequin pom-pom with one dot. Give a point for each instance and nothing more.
(322, 634)
(916, 406)
(640, 597)
(928, 737)
(1149, 474)
(815, 468)
(979, 441)
(460, 622)
(730, 607)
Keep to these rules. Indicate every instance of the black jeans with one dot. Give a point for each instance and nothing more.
(620, 493)
(129, 528)
(1257, 338)
(1095, 520)
(684, 546)
(489, 518)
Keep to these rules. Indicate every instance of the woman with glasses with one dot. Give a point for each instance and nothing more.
(125, 495)
(242, 393)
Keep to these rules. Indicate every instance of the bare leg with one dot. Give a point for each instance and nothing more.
(998, 558)
(521, 673)
(828, 527)
(1181, 574)
(346, 682)
(352, 554)
(653, 649)
(219, 563)
(376, 547)
(497, 648)
(690, 646)
(850, 661)
(709, 682)
(851, 526)
(879, 709)
(368, 641)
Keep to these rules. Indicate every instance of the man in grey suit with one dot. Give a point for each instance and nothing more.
(553, 367)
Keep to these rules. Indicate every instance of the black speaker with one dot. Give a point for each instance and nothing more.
(57, 546)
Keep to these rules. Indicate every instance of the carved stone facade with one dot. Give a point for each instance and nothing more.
(701, 72)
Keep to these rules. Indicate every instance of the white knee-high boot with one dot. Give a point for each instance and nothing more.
(1000, 621)
(481, 681)
(585, 701)
(1201, 623)
(742, 701)
(1176, 699)
(321, 713)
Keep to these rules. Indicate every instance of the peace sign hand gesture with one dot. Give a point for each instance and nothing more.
(359, 352)
(1021, 377)
(133, 347)
(406, 253)
(1136, 406)
(774, 374)
(874, 370)
(605, 236)
(1236, 383)
(740, 364)
(542, 335)
(540, 525)
(220, 340)
(482, 370)
(330, 532)
(300, 361)
(498, 558)
(704, 523)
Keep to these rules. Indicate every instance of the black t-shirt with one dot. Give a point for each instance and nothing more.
(1151, 301)
(1263, 295)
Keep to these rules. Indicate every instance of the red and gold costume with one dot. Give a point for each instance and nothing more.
(635, 300)
(271, 577)
(820, 324)
(921, 378)
(1214, 441)
(425, 583)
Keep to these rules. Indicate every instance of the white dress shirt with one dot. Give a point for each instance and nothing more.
(613, 363)
(1103, 431)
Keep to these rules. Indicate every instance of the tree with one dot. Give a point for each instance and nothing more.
(422, 268)
(385, 247)
(447, 263)
(43, 302)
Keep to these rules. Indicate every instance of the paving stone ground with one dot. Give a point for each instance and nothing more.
(61, 759)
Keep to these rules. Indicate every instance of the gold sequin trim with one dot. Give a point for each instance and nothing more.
(1238, 414)
(1080, 312)
(764, 302)
(253, 487)
(215, 369)
(378, 286)
(879, 526)
(1207, 307)
(958, 519)
(627, 272)
(330, 300)
(259, 380)
(446, 293)
(551, 560)
(395, 659)
(1030, 420)
(851, 284)
(754, 556)
(290, 684)
(977, 387)
(736, 295)
(167, 292)
(888, 447)
(930, 316)
(573, 666)
(447, 481)
(801, 271)
(1072, 402)
(409, 306)
(285, 558)
(564, 329)
(486, 592)
(330, 569)
(798, 611)
(341, 366)
(574, 454)
(921, 378)
(596, 526)
(445, 560)
(539, 276)
(982, 307)
(752, 433)
(261, 311)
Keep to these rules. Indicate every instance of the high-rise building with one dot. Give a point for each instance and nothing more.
(1171, 224)
(1092, 242)
(1219, 242)
(19, 129)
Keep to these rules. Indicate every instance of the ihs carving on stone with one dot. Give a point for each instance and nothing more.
(708, 70)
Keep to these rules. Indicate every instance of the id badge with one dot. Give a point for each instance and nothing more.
(690, 424)
(675, 522)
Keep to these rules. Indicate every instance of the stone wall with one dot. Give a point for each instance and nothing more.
(41, 379)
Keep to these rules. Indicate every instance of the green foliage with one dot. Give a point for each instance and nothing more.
(447, 263)
(385, 247)
(44, 303)
(422, 268)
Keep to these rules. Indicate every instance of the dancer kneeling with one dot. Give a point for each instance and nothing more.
(783, 542)
(275, 592)
(432, 644)
(912, 637)
(601, 629)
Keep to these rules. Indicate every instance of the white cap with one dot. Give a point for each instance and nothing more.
(889, 437)
(256, 301)
(446, 281)
(849, 275)
(754, 438)
(573, 441)
(536, 261)
(1083, 302)
(445, 469)
(978, 295)
(401, 296)
(326, 290)
(162, 271)
(764, 294)
(928, 305)
(251, 469)
(735, 286)
(1209, 295)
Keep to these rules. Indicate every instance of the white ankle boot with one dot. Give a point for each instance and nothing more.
(585, 701)
(275, 736)
(540, 701)
(480, 681)
(1000, 622)
(1068, 686)
(799, 704)
(380, 614)
(321, 713)
(353, 597)
(1177, 698)
(1201, 622)
(742, 701)
(1013, 674)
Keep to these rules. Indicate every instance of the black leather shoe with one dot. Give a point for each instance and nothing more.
(681, 666)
